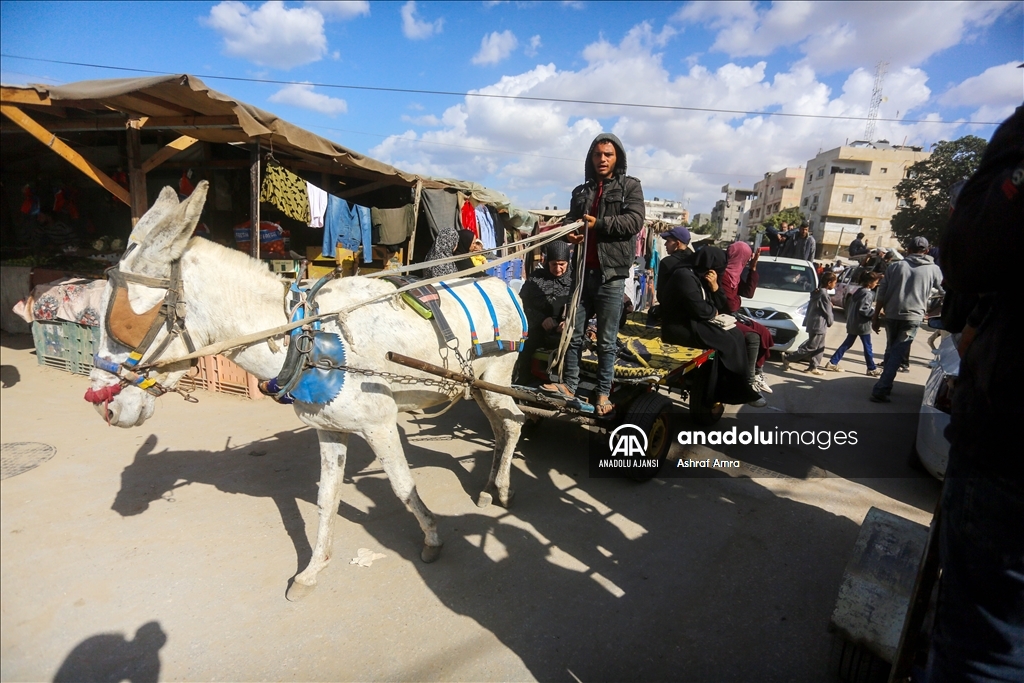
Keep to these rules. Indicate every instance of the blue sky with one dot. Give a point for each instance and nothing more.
(948, 61)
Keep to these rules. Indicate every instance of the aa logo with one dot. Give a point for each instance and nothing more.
(627, 440)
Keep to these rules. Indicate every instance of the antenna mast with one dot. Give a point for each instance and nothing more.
(876, 99)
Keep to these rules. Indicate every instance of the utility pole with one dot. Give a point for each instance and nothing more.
(876, 99)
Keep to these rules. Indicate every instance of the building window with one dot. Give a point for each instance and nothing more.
(848, 199)
(878, 199)
(821, 172)
(902, 203)
(809, 178)
(873, 227)
(771, 190)
(805, 201)
(883, 170)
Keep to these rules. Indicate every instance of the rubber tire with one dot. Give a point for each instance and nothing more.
(703, 415)
(652, 413)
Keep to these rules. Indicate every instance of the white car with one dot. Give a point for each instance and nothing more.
(780, 301)
(932, 447)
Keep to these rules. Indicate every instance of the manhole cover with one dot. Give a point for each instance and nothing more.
(24, 456)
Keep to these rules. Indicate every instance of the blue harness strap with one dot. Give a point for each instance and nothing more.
(465, 309)
(494, 317)
(522, 318)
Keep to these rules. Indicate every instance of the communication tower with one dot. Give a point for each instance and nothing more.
(876, 99)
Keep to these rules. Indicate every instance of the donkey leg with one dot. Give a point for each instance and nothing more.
(333, 449)
(487, 494)
(507, 421)
(387, 446)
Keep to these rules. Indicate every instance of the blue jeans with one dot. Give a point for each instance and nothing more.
(865, 339)
(899, 335)
(605, 300)
(979, 619)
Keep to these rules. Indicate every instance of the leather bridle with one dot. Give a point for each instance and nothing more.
(138, 331)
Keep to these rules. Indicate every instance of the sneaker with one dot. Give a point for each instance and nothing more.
(814, 371)
(904, 368)
(761, 384)
(879, 398)
(761, 402)
(877, 372)
(832, 367)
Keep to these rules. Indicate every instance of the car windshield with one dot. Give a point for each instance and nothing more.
(788, 277)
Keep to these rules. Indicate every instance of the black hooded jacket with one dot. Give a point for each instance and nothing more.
(620, 212)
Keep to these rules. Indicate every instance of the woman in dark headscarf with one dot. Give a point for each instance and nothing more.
(462, 248)
(690, 298)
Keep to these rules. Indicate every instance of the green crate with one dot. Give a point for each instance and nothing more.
(65, 346)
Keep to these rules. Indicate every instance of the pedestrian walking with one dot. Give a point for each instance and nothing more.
(817, 321)
(801, 246)
(858, 324)
(900, 306)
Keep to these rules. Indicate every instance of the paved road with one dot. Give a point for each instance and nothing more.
(167, 549)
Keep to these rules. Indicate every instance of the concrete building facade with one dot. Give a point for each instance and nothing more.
(852, 189)
(666, 210)
(725, 217)
(776, 192)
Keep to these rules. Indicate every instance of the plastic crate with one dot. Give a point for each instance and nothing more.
(217, 373)
(507, 271)
(65, 346)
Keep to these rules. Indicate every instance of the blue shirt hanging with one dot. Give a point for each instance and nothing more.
(348, 225)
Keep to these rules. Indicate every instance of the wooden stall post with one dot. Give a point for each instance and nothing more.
(136, 176)
(254, 202)
(417, 191)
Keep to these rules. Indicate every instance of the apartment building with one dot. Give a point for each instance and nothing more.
(776, 192)
(666, 210)
(725, 216)
(852, 189)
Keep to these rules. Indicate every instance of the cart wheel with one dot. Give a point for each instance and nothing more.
(652, 413)
(703, 411)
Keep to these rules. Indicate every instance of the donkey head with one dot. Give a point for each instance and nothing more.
(133, 298)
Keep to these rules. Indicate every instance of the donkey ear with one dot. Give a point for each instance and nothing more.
(162, 208)
(173, 228)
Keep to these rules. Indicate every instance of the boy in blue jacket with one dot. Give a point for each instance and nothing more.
(817, 321)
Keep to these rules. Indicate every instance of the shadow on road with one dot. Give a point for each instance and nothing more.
(707, 578)
(111, 658)
(9, 376)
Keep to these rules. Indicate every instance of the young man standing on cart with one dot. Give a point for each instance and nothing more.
(611, 205)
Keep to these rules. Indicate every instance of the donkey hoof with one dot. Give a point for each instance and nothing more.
(297, 591)
(505, 499)
(484, 499)
(430, 552)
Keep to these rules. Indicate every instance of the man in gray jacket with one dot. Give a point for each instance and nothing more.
(900, 306)
(801, 246)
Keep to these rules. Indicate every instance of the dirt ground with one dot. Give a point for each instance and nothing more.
(163, 552)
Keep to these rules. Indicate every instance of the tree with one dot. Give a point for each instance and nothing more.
(792, 216)
(924, 191)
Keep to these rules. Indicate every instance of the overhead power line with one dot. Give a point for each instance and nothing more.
(527, 98)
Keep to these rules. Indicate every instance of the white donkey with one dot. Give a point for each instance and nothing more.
(228, 295)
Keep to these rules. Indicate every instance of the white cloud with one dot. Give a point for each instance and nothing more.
(534, 150)
(302, 95)
(428, 120)
(271, 35)
(837, 35)
(999, 86)
(495, 47)
(535, 44)
(340, 9)
(415, 28)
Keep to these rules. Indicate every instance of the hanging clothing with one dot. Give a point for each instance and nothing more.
(287, 192)
(395, 225)
(348, 225)
(485, 223)
(469, 222)
(499, 226)
(440, 208)
(317, 205)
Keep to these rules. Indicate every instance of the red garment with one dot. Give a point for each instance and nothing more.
(592, 260)
(732, 299)
(185, 186)
(469, 219)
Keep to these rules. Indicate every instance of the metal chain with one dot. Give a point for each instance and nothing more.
(446, 386)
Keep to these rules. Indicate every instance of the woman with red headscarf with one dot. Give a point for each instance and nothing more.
(734, 286)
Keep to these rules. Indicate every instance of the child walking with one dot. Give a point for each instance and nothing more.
(858, 324)
(817, 321)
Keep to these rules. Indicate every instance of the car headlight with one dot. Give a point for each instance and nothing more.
(802, 310)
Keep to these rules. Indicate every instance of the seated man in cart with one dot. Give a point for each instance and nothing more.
(545, 296)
